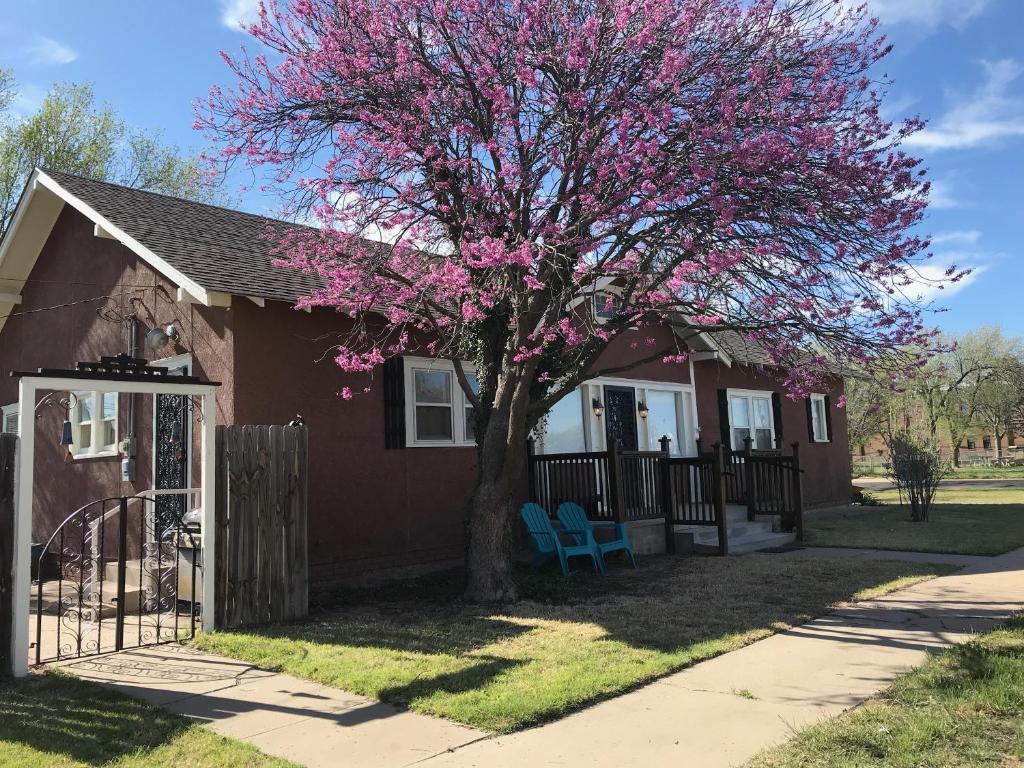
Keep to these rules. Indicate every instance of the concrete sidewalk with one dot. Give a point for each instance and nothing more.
(694, 718)
(310, 724)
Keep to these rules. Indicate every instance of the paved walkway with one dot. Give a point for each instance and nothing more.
(694, 718)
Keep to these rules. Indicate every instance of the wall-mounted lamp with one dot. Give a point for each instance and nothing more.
(641, 408)
(158, 338)
(67, 403)
(598, 407)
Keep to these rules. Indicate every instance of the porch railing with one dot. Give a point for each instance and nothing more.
(626, 486)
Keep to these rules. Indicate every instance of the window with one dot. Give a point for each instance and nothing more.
(561, 431)
(971, 445)
(94, 424)
(663, 419)
(10, 419)
(437, 411)
(986, 443)
(750, 415)
(819, 418)
(606, 306)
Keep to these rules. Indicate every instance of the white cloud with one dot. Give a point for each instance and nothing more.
(928, 14)
(931, 282)
(964, 236)
(47, 51)
(993, 112)
(941, 196)
(239, 14)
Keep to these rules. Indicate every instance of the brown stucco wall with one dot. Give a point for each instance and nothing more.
(827, 465)
(75, 266)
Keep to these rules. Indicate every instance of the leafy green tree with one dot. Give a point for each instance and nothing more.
(71, 132)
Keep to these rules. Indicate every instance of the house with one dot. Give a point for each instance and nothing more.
(89, 269)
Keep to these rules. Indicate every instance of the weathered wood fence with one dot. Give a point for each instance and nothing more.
(8, 453)
(262, 563)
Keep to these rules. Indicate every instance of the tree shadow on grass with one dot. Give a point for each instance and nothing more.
(58, 715)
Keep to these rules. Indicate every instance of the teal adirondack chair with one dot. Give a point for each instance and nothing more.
(574, 518)
(549, 543)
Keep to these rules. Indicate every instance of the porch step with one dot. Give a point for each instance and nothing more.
(744, 536)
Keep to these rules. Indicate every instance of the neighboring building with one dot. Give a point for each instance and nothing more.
(390, 471)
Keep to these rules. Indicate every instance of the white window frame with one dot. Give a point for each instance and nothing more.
(599, 297)
(94, 450)
(459, 402)
(749, 395)
(819, 421)
(9, 410)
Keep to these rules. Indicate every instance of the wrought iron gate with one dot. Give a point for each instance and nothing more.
(115, 574)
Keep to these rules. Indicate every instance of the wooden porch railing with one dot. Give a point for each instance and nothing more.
(625, 486)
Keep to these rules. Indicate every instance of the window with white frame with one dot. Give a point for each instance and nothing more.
(561, 430)
(10, 419)
(750, 415)
(94, 424)
(819, 418)
(437, 410)
(606, 305)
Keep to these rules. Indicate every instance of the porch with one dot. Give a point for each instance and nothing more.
(720, 500)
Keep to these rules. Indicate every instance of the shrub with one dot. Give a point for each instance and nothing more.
(917, 469)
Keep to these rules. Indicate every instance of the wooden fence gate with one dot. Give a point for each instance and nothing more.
(262, 563)
(8, 452)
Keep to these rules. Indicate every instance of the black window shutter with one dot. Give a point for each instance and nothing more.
(723, 417)
(394, 403)
(777, 415)
(828, 418)
(810, 421)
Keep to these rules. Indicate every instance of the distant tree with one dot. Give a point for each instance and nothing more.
(866, 399)
(1001, 399)
(70, 132)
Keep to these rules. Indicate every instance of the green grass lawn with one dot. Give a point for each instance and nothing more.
(982, 521)
(569, 643)
(987, 473)
(52, 720)
(963, 708)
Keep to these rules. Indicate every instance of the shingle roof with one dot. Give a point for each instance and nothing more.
(220, 249)
(740, 348)
(229, 251)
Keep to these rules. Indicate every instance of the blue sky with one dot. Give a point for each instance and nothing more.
(957, 63)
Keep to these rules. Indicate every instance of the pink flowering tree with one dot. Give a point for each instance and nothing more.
(722, 163)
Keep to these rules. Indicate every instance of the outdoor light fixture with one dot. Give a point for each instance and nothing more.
(66, 437)
(67, 403)
(598, 407)
(158, 338)
(641, 408)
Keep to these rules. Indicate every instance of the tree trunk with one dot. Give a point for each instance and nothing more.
(492, 510)
(956, 455)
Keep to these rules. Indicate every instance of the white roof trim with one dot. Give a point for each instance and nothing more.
(104, 228)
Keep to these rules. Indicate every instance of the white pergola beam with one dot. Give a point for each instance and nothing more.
(28, 388)
(10, 298)
(99, 231)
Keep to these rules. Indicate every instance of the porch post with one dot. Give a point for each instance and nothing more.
(719, 498)
(22, 581)
(209, 530)
(615, 482)
(798, 493)
(748, 471)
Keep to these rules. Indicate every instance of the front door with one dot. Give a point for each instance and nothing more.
(620, 417)
(171, 440)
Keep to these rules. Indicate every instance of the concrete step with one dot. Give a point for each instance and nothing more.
(743, 537)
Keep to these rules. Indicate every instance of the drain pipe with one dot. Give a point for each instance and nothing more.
(128, 444)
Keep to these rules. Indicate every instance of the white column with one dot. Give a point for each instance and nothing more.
(23, 525)
(208, 475)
